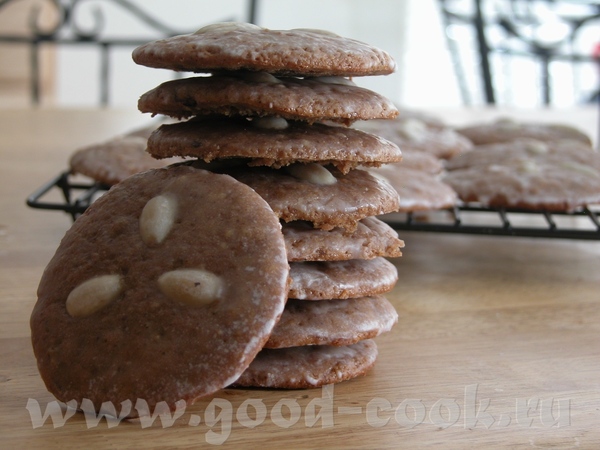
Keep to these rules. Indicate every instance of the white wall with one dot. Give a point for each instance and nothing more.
(408, 29)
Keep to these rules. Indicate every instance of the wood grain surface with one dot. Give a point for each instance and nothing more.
(497, 345)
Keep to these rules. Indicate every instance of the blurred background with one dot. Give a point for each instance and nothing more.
(74, 53)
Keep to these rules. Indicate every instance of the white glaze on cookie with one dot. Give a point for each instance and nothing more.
(333, 322)
(341, 279)
(309, 366)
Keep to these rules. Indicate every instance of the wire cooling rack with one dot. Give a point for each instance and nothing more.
(73, 195)
(472, 219)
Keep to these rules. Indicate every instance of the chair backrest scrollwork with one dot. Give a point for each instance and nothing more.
(508, 34)
(68, 28)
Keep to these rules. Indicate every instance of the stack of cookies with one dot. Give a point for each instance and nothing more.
(179, 281)
(272, 114)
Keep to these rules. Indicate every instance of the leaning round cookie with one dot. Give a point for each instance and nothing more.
(252, 94)
(150, 297)
(326, 198)
(244, 46)
(506, 129)
(529, 183)
(272, 142)
(339, 322)
(327, 280)
(112, 161)
(414, 134)
(371, 239)
(308, 366)
(419, 191)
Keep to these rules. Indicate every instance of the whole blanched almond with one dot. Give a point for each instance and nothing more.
(93, 295)
(581, 168)
(313, 173)
(318, 31)
(270, 123)
(335, 80)
(536, 147)
(261, 77)
(223, 27)
(413, 129)
(528, 165)
(157, 218)
(194, 287)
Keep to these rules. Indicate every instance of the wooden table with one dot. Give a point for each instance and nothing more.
(498, 342)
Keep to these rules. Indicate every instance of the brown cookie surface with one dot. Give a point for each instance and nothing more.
(309, 366)
(336, 322)
(562, 151)
(414, 134)
(419, 191)
(372, 238)
(151, 297)
(506, 129)
(256, 95)
(243, 46)
(112, 161)
(277, 145)
(530, 183)
(422, 161)
(326, 198)
(322, 280)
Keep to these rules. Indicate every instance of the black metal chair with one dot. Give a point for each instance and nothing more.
(489, 38)
(68, 31)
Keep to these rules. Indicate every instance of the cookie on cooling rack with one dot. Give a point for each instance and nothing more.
(251, 94)
(150, 297)
(308, 366)
(273, 142)
(418, 191)
(414, 134)
(422, 161)
(561, 151)
(506, 129)
(112, 161)
(554, 184)
(372, 238)
(334, 322)
(242, 46)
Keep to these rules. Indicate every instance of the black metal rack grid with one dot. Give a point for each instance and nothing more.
(77, 195)
(467, 219)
